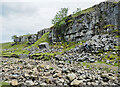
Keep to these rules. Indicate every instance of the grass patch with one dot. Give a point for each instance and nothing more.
(109, 25)
(18, 46)
(117, 47)
(70, 45)
(70, 21)
(80, 21)
(115, 31)
(6, 45)
(44, 38)
(4, 84)
(51, 68)
(49, 54)
(117, 36)
(14, 51)
(83, 11)
(111, 57)
(44, 56)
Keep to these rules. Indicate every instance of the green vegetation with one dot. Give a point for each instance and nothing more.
(44, 56)
(64, 45)
(9, 45)
(69, 45)
(60, 15)
(51, 68)
(14, 37)
(17, 49)
(115, 31)
(116, 2)
(44, 38)
(6, 45)
(4, 84)
(83, 11)
(117, 47)
(80, 21)
(109, 25)
(14, 50)
(117, 36)
(21, 48)
(5, 54)
(99, 65)
(111, 57)
(60, 21)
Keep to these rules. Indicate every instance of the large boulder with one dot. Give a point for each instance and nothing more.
(44, 45)
(71, 76)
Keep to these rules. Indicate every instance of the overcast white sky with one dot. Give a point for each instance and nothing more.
(19, 17)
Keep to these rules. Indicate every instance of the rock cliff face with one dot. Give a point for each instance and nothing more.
(102, 18)
(99, 19)
(32, 38)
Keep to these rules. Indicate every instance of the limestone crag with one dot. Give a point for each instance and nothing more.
(97, 44)
(32, 38)
(100, 19)
(84, 52)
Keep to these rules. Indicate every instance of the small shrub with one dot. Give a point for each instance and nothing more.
(60, 15)
(46, 58)
(70, 21)
(80, 21)
(15, 55)
(51, 68)
(109, 25)
(117, 36)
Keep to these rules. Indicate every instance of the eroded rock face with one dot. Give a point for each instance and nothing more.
(89, 24)
(64, 70)
(31, 38)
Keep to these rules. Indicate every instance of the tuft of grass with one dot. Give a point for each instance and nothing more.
(46, 58)
(115, 31)
(70, 21)
(109, 25)
(51, 68)
(117, 47)
(83, 11)
(80, 21)
(117, 36)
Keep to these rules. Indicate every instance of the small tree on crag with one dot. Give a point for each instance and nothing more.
(59, 22)
(14, 37)
(60, 15)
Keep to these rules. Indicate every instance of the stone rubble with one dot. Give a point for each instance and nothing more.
(38, 72)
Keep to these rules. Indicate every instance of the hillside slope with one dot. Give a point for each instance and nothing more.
(97, 25)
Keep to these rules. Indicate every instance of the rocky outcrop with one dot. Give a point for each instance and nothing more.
(100, 19)
(31, 38)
